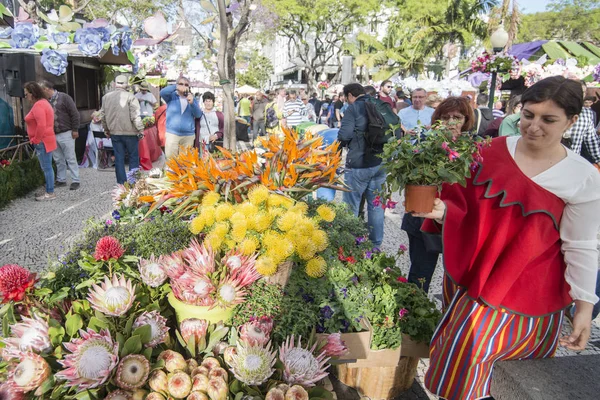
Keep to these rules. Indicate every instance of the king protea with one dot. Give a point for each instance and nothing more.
(255, 333)
(114, 297)
(158, 327)
(252, 365)
(300, 365)
(92, 359)
(200, 258)
(132, 372)
(30, 334)
(151, 272)
(31, 371)
(241, 267)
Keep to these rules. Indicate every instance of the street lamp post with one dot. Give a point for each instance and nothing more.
(499, 39)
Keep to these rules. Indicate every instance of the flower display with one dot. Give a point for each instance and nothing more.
(31, 371)
(91, 40)
(256, 332)
(30, 334)
(179, 384)
(113, 297)
(323, 85)
(193, 328)
(9, 392)
(500, 62)
(151, 272)
(253, 365)
(173, 360)
(217, 389)
(24, 35)
(132, 372)
(119, 395)
(300, 365)
(60, 37)
(158, 381)
(158, 327)
(108, 248)
(91, 361)
(15, 281)
(54, 62)
(334, 346)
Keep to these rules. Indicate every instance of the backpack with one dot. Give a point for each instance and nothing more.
(483, 120)
(380, 116)
(271, 117)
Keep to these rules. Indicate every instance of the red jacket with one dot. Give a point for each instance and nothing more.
(40, 124)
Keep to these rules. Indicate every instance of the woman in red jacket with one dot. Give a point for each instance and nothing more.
(40, 129)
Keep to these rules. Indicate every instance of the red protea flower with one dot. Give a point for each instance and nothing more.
(108, 247)
(14, 282)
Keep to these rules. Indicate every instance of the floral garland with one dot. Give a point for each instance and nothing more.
(323, 85)
(500, 62)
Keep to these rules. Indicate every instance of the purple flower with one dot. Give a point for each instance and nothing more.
(116, 215)
(597, 73)
(377, 201)
(345, 325)
(132, 176)
(55, 62)
(354, 279)
(344, 292)
(402, 313)
(360, 240)
(25, 35)
(109, 222)
(391, 204)
(90, 41)
(60, 37)
(327, 312)
(368, 254)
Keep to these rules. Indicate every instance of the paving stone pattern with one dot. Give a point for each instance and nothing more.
(32, 232)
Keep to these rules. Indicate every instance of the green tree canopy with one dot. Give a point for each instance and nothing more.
(258, 72)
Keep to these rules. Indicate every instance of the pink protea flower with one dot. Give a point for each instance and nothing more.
(132, 372)
(173, 360)
(92, 359)
(158, 381)
(15, 281)
(179, 384)
(151, 272)
(193, 289)
(253, 365)
(31, 371)
(335, 346)
(173, 265)
(217, 389)
(255, 333)
(230, 293)
(296, 392)
(114, 297)
(108, 248)
(193, 328)
(158, 326)
(8, 392)
(300, 365)
(200, 258)
(241, 267)
(119, 395)
(118, 194)
(31, 334)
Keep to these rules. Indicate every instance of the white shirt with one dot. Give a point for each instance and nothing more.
(577, 183)
(184, 103)
(209, 125)
(293, 112)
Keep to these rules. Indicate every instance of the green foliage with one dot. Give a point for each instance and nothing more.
(258, 72)
(434, 158)
(18, 179)
(173, 232)
(264, 299)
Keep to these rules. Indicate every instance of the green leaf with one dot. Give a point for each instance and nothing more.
(40, 293)
(131, 59)
(56, 333)
(144, 332)
(73, 325)
(46, 386)
(133, 345)
(84, 284)
(129, 325)
(148, 353)
(97, 324)
(5, 11)
(61, 294)
(5, 309)
(191, 346)
(121, 340)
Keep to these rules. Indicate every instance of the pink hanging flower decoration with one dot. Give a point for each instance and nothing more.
(402, 248)
(377, 201)
(453, 155)
(391, 204)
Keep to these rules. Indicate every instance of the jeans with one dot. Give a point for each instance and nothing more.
(120, 144)
(368, 181)
(325, 194)
(64, 157)
(45, 159)
(422, 262)
(258, 128)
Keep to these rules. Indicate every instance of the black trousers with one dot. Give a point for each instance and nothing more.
(422, 262)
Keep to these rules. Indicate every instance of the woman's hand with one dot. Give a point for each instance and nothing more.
(439, 209)
(212, 138)
(582, 326)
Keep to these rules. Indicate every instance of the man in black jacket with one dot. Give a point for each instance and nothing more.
(364, 174)
(66, 129)
(483, 114)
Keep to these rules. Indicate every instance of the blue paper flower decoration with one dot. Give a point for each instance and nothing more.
(55, 62)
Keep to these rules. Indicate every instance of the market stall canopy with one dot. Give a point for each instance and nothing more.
(246, 89)
(555, 50)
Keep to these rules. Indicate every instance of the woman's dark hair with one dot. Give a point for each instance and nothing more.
(566, 93)
(208, 96)
(356, 89)
(512, 103)
(457, 104)
(35, 89)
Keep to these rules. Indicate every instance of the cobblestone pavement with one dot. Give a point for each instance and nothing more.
(32, 232)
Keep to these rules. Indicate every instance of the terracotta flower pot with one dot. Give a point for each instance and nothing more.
(419, 198)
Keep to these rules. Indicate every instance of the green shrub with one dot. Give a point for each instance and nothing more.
(18, 179)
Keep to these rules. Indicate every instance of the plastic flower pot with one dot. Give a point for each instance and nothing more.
(185, 311)
(419, 198)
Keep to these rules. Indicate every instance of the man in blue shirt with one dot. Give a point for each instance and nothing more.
(182, 110)
(417, 117)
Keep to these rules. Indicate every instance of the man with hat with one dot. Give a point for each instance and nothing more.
(146, 99)
(120, 114)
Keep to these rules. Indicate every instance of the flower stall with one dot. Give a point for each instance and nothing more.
(220, 280)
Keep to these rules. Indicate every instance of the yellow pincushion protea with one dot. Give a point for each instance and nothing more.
(237, 216)
(316, 267)
(224, 211)
(277, 200)
(213, 240)
(271, 239)
(208, 214)
(210, 199)
(249, 245)
(300, 208)
(258, 195)
(197, 225)
(265, 266)
(320, 239)
(221, 229)
(326, 213)
(262, 221)
(306, 227)
(248, 209)
(275, 212)
(238, 231)
(230, 244)
(306, 249)
(287, 221)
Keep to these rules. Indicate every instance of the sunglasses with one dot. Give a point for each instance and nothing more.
(184, 84)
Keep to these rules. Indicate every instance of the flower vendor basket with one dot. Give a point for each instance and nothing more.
(282, 276)
(384, 374)
(358, 344)
(419, 198)
(185, 311)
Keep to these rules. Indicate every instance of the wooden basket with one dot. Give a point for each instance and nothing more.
(282, 276)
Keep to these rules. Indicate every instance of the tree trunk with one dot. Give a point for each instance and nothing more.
(227, 82)
(311, 81)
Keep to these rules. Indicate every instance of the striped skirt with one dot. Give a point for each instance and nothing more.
(471, 337)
